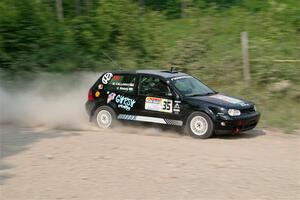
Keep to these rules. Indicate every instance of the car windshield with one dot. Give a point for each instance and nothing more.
(189, 86)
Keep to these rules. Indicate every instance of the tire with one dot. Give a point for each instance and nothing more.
(105, 117)
(199, 125)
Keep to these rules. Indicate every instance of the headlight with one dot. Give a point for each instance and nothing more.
(254, 107)
(234, 112)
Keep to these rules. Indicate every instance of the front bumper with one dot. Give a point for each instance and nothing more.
(227, 124)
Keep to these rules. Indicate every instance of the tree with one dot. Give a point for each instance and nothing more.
(183, 7)
(59, 10)
(78, 7)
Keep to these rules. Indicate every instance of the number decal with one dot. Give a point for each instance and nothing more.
(166, 105)
(106, 77)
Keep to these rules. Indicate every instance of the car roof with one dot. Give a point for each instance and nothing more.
(162, 73)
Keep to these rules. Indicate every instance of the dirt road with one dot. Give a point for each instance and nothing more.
(147, 163)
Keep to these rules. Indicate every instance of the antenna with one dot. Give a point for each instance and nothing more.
(113, 62)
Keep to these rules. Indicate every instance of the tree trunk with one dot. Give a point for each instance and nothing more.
(59, 10)
(78, 7)
(142, 3)
(244, 41)
(88, 5)
(50, 7)
(183, 7)
(299, 47)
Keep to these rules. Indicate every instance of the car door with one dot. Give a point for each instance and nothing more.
(156, 99)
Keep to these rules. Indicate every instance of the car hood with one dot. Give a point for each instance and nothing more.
(221, 100)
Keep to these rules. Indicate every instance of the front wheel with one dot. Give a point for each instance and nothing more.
(199, 125)
(105, 117)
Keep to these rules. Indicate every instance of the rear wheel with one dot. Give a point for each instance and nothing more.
(105, 117)
(199, 125)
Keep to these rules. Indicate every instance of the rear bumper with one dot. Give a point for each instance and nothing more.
(226, 124)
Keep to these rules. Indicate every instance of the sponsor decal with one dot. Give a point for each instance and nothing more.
(106, 77)
(153, 103)
(123, 84)
(125, 102)
(97, 94)
(111, 97)
(116, 77)
(100, 86)
(126, 89)
(176, 108)
(158, 104)
(229, 99)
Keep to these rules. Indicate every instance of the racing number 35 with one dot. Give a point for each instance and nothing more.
(167, 105)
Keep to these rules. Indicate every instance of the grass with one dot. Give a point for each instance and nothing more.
(278, 110)
(223, 65)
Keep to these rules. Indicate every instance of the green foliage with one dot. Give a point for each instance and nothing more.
(198, 36)
(143, 33)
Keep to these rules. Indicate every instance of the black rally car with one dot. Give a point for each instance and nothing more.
(167, 97)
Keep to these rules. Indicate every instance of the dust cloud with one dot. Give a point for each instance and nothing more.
(49, 100)
(57, 101)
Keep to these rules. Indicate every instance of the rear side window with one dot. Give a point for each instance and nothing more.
(153, 86)
(122, 83)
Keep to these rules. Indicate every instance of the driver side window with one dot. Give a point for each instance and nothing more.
(153, 86)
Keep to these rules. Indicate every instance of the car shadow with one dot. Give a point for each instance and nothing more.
(243, 135)
(173, 131)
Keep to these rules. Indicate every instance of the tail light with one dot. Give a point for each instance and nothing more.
(90, 95)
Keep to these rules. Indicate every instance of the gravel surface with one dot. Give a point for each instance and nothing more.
(147, 163)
